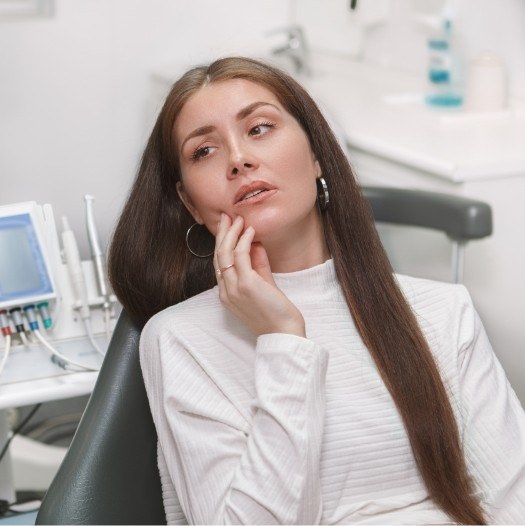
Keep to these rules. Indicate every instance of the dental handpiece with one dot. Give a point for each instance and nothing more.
(75, 268)
(96, 252)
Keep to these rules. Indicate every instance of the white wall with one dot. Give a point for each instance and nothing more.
(400, 42)
(74, 91)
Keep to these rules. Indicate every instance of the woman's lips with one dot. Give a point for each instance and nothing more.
(261, 187)
(257, 198)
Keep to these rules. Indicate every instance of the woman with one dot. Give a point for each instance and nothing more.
(310, 384)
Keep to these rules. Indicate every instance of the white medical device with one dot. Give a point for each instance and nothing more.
(50, 300)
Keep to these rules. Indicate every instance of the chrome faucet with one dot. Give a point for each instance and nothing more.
(296, 49)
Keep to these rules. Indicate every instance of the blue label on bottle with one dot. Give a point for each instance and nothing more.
(439, 76)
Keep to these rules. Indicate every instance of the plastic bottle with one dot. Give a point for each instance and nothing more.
(443, 70)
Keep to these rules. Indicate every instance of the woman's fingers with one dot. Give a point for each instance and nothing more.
(246, 286)
(241, 253)
(228, 242)
(222, 228)
(227, 238)
(234, 249)
(260, 262)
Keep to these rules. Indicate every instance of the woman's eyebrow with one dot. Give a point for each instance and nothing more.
(203, 130)
(243, 113)
(252, 107)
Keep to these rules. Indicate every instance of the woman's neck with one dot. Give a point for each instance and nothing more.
(293, 252)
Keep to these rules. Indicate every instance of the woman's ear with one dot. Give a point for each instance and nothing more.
(186, 200)
(317, 167)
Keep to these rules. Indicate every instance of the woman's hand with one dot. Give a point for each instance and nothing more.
(246, 285)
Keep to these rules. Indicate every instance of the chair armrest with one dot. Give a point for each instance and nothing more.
(461, 218)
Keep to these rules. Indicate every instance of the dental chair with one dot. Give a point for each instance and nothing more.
(109, 475)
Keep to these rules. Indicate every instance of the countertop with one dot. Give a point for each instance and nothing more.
(383, 113)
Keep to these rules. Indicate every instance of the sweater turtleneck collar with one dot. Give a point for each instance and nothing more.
(308, 284)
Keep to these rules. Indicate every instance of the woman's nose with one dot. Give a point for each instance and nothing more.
(241, 162)
(237, 169)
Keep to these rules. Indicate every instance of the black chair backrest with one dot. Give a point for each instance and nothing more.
(110, 475)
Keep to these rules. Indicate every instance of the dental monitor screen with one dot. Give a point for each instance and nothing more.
(24, 275)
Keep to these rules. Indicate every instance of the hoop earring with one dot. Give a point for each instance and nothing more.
(188, 244)
(323, 197)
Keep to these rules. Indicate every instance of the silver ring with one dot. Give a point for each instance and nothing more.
(223, 269)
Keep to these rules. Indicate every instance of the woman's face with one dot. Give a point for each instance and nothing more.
(242, 153)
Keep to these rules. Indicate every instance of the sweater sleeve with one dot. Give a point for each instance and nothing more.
(494, 424)
(227, 468)
(172, 507)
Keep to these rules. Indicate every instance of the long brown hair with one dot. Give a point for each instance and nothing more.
(150, 268)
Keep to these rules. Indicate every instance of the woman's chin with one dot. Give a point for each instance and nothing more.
(271, 238)
(264, 230)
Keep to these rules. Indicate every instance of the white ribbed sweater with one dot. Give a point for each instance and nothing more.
(282, 429)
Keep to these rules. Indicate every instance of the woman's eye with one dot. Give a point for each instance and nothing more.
(262, 128)
(200, 153)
